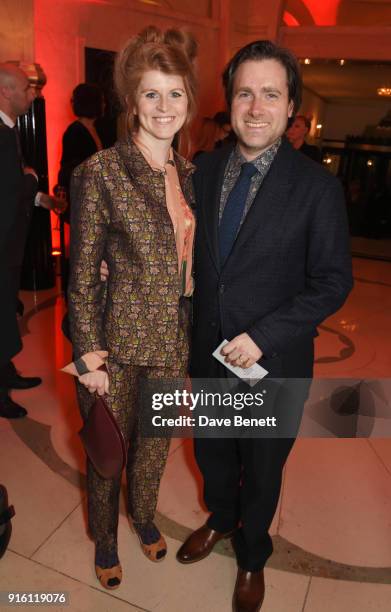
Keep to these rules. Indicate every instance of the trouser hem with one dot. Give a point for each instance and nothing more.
(251, 567)
(222, 525)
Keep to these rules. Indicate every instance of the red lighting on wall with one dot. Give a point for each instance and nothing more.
(320, 12)
(324, 12)
(290, 20)
(53, 35)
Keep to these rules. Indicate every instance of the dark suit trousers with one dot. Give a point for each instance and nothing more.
(242, 482)
(11, 342)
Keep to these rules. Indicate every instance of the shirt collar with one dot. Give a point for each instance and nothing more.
(263, 160)
(148, 156)
(7, 120)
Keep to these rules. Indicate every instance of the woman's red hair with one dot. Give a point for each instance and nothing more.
(171, 52)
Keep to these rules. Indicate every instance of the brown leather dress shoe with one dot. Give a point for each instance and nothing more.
(10, 409)
(199, 544)
(249, 591)
(6, 514)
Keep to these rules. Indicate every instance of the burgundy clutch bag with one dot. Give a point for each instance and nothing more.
(103, 441)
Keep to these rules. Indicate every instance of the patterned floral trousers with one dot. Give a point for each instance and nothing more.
(146, 456)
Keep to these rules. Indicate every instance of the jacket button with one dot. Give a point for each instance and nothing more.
(212, 323)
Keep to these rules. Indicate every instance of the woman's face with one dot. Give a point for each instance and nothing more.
(161, 106)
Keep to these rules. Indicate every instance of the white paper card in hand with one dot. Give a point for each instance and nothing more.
(249, 375)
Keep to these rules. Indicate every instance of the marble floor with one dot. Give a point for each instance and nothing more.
(331, 531)
(371, 248)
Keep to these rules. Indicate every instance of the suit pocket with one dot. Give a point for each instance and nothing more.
(273, 365)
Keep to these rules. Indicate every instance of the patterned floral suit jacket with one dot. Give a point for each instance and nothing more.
(119, 214)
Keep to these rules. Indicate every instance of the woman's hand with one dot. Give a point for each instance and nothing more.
(104, 271)
(96, 381)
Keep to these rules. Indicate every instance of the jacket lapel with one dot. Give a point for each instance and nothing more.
(185, 170)
(210, 201)
(151, 184)
(270, 202)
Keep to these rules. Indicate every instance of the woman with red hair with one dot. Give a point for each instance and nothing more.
(131, 205)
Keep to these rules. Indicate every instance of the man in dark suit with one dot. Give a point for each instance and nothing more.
(272, 262)
(18, 193)
(296, 134)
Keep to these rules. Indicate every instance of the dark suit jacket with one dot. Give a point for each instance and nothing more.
(17, 193)
(289, 268)
(311, 151)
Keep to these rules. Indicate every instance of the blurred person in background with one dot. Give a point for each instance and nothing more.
(19, 194)
(228, 136)
(207, 135)
(81, 139)
(297, 133)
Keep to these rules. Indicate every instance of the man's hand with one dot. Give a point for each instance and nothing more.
(241, 351)
(58, 205)
(59, 199)
(28, 170)
(95, 381)
(104, 271)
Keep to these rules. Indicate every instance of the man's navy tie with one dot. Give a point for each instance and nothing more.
(233, 211)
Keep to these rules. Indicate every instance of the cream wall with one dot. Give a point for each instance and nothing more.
(253, 19)
(313, 107)
(55, 32)
(351, 118)
(340, 119)
(16, 33)
(334, 42)
(64, 27)
(62, 34)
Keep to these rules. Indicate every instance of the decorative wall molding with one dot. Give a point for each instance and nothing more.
(253, 22)
(156, 9)
(259, 31)
(350, 42)
(16, 31)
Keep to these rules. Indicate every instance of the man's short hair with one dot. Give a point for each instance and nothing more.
(305, 120)
(262, 50)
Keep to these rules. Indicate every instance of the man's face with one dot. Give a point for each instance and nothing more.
(298, 131)
(21, 94)
(260, 105)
